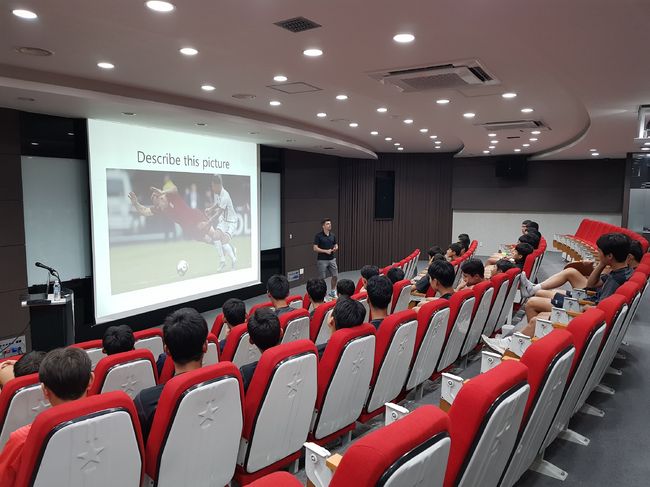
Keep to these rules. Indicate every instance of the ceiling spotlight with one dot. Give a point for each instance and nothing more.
(645, 148)
(280, 78)
(34, 143)
(525, 145)
(469, 115)
(275, 103)
(404, 38)
(105, 65)
(517, 150)
(442, 101)
(437, 142)
(486, 152)
(208, 88)
(341, 97)
(70, 133)
(437, 147)
(593, 150)
(509, 95)
(491, 146)
(321, 115)
(595, 154)
(388, 139)
(374, 132)
(408, 121)
(312, 52)
(382, 109)
(536, 132)
(400, 148)
(24, 14)
(533, 139)
(424, 131)
(494, 142)
(354, 124)
(646, 143)
(526, 110)
(129, 114)
(397, 144)
(433, 136)
(159, 6)
(492, 135)
(188, 51)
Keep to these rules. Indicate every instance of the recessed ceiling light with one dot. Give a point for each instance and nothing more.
(486, 152)
(509, 95)
(24, 14)
(526, 110)
(491, 147)
(469, 115)
(492, 135)
(408, 121)
(595, 154)
(354, 124)
(424, 131)
(433, 136)
(312, 52)
(593, 150)
(404, 38)
(105, 65)
(442, 101)
(275, 103)
(321, 115)
(525, 145)
(646, 143)
(159, 6)
(201, 124)
(34, 143)
(645, 148)
(517, 150)
(533, 139)
(129, 114)
(188, 51)
(400, 148)
(437, 142)
(374, 132)
(536, 132)
(382, 109)
(280, 78)
(70, 133)
(388, 139)
(208, 88)
(341, 97)
(437, 147)
(494, 142)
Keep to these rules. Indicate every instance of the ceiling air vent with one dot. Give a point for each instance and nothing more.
(295, 88)
(297, 24)
(460, 74)
(515, 125)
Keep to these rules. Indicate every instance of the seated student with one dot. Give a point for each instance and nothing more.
(464, 241)
(317, 290)
(529, 238)
(277, 289)
(346, 314)
(473, 273)
(234, 313)
(422, 284)
(507, 250)
(500, 267)
(185, 335)
(380, 295)
(65, 376)
(636, 254)
(530, 224)
(25, 365)
(118, 339)
(368, 271)
(432, 252)
(441, 279)
(453, 252)
(345, 288)
(395, 274)
(264, 332)
(522, 250)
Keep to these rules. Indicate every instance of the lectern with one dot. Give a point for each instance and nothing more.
(51, 321)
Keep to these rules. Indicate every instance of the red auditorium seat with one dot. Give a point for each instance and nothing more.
(129, 372)
(319, 332)
(196, 428)
(211, 356)
(344, 373)
(461, 305)
(401, 296)
(94, 349)
(549, 363)
(150, 339)
(359, 286)
(277, 479)
(306, 302)
(483, 294)
(84, 443)
(393, 354)
(295, 301)
(295, 325)
(501, 283)
(238, 348)
(278, 409)
(485, 418)
(514, 276)
(429, 339)
(363, 299)
(218, 326)
(21, 399)
(255, 307)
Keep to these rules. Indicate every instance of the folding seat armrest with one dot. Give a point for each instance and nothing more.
(489, 360)
(543, 328)
(320, 465)
(449, 388)
(518, 346)
(394, 412)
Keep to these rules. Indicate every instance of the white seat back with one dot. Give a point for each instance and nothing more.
(23, 408)
(246, 353)
(347, 389)
(129, 377)
(507, 304)
(478, 322)
(421, 466)
(92, 451)
(154, 344)
(364, 302)
(495, 309)
(296, 329)
(403, 300)
(428, 354)
(95, 355)
(457, 335)
(324, 333)
(211, 356)
(540, 417)
(395, 366)
(489, 457)
(203, 448)
(284, 416)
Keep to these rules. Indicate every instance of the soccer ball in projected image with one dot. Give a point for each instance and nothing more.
(182, 267)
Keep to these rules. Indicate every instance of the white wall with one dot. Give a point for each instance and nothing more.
(492, 228)
(271, 210)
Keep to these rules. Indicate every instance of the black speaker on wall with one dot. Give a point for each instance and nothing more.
(513, 167)
(384, 195)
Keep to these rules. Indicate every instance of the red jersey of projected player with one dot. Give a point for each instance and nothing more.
(188, 218)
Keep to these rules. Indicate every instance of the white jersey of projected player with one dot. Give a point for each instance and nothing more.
(228, 219)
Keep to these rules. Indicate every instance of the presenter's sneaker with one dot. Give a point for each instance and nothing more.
(332, 294)
(499, 345)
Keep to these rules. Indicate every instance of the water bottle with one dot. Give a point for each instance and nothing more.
(57, 290)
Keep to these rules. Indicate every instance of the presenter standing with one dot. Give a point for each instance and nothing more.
(325, 245)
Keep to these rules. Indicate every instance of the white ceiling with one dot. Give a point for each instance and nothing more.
(580, 64)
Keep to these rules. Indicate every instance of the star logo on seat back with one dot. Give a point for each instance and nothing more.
(356, 363)
(42, 404)
(129, 386)
(207, 415)
(294, 384)
(91, 457)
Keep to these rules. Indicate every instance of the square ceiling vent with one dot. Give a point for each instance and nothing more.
(295, 88)
(297, 24)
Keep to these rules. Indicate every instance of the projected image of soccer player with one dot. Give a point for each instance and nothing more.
(222, 212)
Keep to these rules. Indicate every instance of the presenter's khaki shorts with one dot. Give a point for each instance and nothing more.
(327, 268)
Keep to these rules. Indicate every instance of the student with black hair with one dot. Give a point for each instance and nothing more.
(347, 313)
(277, 289)
(635, 255)
(464, 241)
(65, 375)
(185, 335)
(368, 271)
(317, 290)
(522, 250)
(234, 313)
(25, 365)
(441, 279)
(395, 274)
(264, 332)
(453, 251)
(530, 239)
(345, 288)
(380, 295)
(421, 285)
(473, 272)
(433, 251)
(118, 339)
(503, 265)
